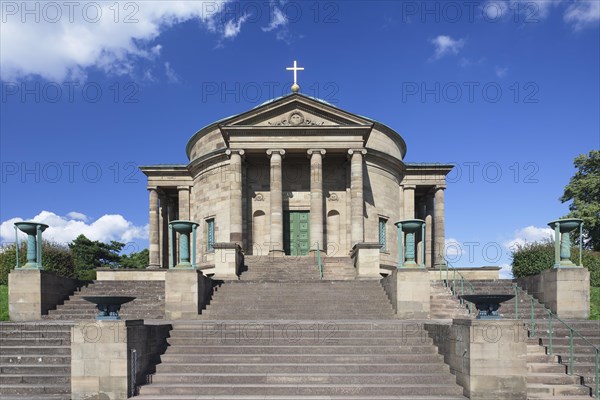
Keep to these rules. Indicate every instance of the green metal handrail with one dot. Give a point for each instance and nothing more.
(551, 317)
(319, 262)
(532, 302)
(572, 331)
(471, 288)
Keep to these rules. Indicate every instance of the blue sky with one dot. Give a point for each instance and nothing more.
(507, 90)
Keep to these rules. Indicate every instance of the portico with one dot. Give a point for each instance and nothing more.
(294, 176)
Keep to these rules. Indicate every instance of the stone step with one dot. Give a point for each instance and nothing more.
(300, 358)
(33, 359)
(302, 378)
(260, 368)
(295, 389)
(550, 378)
(289, 332)
(191, 349)
(28, 389)
(557, 390)
(409, 327)
(6, 379)
(295, 339)
(296, 397)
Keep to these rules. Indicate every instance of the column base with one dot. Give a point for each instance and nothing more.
(276, 253)
(154, 266)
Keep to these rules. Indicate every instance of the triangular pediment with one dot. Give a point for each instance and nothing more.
(296, 111)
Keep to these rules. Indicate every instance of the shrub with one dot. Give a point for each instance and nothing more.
(8, 260)
(55, 257)
(533, 258)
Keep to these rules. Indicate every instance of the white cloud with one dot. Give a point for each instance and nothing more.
(526, 11)
(65, 229)
(583, 14)
(453, 250)
(78, 39)
(529, 234)
(171, 74)
(232, 28)
(501, 71)
(445, 45)
(278, 19)
(506, 271)
(78, 216)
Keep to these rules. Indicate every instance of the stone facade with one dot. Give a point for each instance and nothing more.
(247, 174)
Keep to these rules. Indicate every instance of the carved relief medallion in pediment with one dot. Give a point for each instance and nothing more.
(297, 118)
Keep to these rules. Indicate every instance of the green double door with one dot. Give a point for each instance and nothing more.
(296, 233)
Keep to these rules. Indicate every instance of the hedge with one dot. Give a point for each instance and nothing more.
(533, 258)
(55, 257)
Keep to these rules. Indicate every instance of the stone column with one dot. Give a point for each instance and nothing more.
(409, 201)
(356, 195)
(235, 190)
(276, 194)
(164, 230)
(316, 198)
(184, 202)
(428, 230)
(439, 230)
(153, 244)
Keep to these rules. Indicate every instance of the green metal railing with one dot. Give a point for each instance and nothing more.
(551, 318)
(462, 281)
(319, 262)
(572, 332)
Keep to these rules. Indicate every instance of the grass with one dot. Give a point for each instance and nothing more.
(595, 303)
(3, 302)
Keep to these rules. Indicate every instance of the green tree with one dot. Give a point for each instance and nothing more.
(140, 259)
(584, 190)
(90, 254)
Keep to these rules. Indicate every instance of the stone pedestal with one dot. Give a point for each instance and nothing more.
(32, 292)
(109, 359)
(409, 292)
(567, 291)
(489, 358)
(99, 360)
(366, 260)
(228, 260)
(187, 291)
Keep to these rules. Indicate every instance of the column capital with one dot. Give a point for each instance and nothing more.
(361, 151)
(409, 187)
(155, 188)
(439, 187)
(310, 152)
(229, 152)
(179, 188)
(270, 152)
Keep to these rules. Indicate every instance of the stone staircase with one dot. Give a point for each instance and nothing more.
(149, 300)
(300, 360)
(35, 361)
(547, 375)
(548, 379)
(305, 339)
(289, 268)
(444, 305)
(299, 300)
(583, 353)
(508, 309)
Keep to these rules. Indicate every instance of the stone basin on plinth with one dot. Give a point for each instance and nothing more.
(184, 228)
(562, 240)
(108, 306)
(34, 243)
(487, 304)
